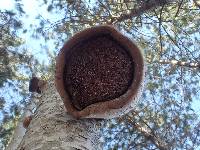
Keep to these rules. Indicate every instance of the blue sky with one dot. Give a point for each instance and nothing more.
(33, 9)
(32, 45)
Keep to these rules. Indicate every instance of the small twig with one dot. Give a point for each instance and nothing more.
(160, 34)
(179, 6)
(195, 2)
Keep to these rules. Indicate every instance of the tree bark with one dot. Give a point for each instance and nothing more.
(19, 131)
(52, 128)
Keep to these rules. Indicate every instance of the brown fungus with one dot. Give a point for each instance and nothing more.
(99, 73)
(33, 85)
(27, 121)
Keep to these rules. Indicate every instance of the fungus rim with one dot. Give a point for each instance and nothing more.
(100, 107)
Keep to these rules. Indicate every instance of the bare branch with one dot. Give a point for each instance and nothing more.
(197, 4)
(180, 63)
(149, 135)
(179, 6)
(145, 6)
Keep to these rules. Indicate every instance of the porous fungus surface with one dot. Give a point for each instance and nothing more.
(97, 69)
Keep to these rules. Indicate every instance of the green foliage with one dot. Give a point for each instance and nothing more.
(12, 82)
(164, 118)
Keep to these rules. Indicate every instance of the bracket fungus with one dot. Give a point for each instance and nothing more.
(99, 73)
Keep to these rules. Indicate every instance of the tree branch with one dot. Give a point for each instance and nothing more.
(180, 63)
(149, 135)
(145, 6)
(196, 3)
(179, 6)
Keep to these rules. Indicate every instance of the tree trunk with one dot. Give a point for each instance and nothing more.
(53, 128)
(19, 131)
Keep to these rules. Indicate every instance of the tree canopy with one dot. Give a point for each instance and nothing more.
(168, 34)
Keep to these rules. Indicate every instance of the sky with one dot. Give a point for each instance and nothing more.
(32, 45)
(33, 8)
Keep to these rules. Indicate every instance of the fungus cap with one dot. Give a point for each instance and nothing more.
(99, 73)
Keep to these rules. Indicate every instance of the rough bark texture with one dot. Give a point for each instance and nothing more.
(53, 129)
(19, 131)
